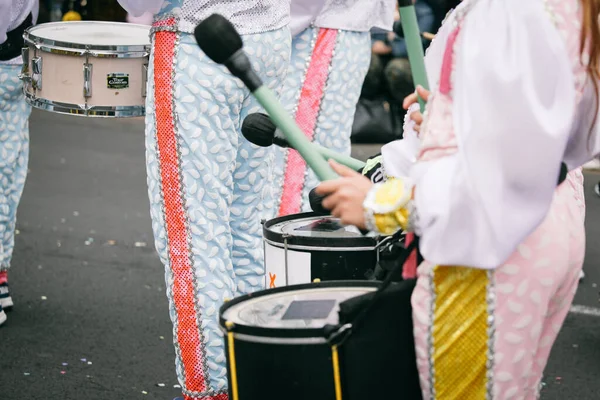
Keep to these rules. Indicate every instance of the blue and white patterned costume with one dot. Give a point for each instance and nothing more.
(209, 188)
(331, 52)
(14, 136)
(14, 155)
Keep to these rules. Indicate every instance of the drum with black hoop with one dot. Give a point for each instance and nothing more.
(284, 343)
(300, 248)
(88, 68)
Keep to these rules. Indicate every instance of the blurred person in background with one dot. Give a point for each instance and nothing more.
(390, 71)
(389, 79)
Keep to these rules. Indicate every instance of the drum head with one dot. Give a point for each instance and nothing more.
(292, 311)
(90, 34)
(311, 229)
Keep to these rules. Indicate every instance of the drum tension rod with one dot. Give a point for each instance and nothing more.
(87, 79)
(337, 335)
(285, 249)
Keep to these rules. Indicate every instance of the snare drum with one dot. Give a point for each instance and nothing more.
(89, 68)
(277, 345)
(300, 248)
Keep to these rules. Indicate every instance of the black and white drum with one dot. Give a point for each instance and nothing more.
(277, 344)
(300, 248)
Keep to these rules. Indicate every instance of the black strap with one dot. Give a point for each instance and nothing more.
(563, 173)
(11, 48)
(341, 333)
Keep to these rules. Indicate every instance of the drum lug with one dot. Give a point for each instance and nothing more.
(144, 79)
(36, 76)
(24, 75)
(87, 80)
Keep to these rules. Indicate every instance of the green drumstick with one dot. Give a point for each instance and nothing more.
(294, 134)
(219, 40)
(414, 45)
(258, 128)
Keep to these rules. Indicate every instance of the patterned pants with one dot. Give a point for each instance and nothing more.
(14, 155)
(488, 334)
(322, 88)
(209, 189)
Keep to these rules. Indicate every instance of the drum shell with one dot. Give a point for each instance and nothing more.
(304, 266)
(282, 371)
(97, 80)
(62, 80)
(297, 259)
(376, 361)
(388, 369)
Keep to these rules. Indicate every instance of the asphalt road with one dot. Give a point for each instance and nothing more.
(90, 319)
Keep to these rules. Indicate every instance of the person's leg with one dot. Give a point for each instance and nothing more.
(327, 72)
(14, 156)
(195, 161)
(566, 281)
(508, 318)
(193, 108)
(254, 185)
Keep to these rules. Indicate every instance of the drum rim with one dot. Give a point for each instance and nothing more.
(279, 335)
(358, 243)
(82, 110)
(48, 45)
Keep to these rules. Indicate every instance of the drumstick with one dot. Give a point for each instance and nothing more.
(219, 40)
(428, 36)
(412, 35)
(260, 130)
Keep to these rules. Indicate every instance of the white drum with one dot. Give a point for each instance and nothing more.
(300, 248)
(88, 68)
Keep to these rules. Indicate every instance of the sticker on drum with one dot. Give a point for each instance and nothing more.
(88, 68)
(303, 247)
(117, 81)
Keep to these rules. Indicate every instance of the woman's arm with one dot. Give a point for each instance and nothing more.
(513, 108)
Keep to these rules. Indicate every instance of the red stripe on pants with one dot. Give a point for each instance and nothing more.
(184, 295)
(309, 104)
(216, 397)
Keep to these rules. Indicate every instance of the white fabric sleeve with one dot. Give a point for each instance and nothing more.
(303, 13)
(514, 103)
(399, 156)
(137, 8)
(5, 15)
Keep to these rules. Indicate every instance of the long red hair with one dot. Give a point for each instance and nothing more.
(590, 41)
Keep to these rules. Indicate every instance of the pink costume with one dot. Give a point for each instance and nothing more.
(503, 245)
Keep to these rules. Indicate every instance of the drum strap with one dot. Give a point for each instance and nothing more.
(336, 335)
(11, 48)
